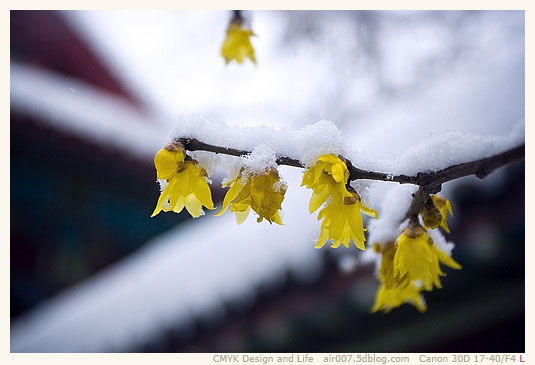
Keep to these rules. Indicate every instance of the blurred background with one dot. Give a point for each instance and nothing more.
(94, 94)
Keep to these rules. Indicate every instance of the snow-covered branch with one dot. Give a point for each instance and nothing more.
(429, 180)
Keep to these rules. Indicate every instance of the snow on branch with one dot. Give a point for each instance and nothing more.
(429, 179)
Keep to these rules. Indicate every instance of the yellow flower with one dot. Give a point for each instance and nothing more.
(388, 299)
(262, 192)
(392, 294)
(435, 212)
(386, 270)
(186, 183)
(417, 258)
(431, 216)
(343, 222)
(328, 177)
(237, 45)
(444, 206)
(341, 216)
(169, 160)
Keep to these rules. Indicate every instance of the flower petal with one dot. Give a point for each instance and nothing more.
(163, 197)
(230, 195)
(242, 216)
(447, 260)
(193, 205)
(319, 196)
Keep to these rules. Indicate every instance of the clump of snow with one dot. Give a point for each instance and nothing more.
(394, 206)
(363, 188)
(305, 144)
(278, 186)
(261, 159)
(440, 241)
(231, 166)
(163, 184)
(440, 150)
(207, 160)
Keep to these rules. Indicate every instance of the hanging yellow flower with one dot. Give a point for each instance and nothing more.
(417, 258)
(237, 45)
(263, 193)
(186, 182)
(392, 294)
(343, 222)
(169, 160)
(328, 177)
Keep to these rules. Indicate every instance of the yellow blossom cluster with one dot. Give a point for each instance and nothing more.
(342, 222)
(187, 187)
(264, 192)
(408, 266)
(186, 183)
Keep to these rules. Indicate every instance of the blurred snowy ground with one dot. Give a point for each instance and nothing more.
(388, 80)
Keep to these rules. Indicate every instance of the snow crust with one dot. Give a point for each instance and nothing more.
(392, 209)
(260, 159)
(305, 144)
(308, 143)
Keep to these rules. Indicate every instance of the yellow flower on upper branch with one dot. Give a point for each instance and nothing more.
(186, 182)
(341, 215)
(343, 222)
(169, 160)
(263, 193)
(237, 45)
(328, 177)
(417, 258)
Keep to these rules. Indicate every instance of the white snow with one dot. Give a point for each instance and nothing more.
(308, 143)
(305, 143)
(440, 241)
(396, 200)
(260, 159)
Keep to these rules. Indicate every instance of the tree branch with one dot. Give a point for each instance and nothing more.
(430, 180)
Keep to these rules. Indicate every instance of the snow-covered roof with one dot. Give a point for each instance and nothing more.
(77, 107)
(188, 272)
